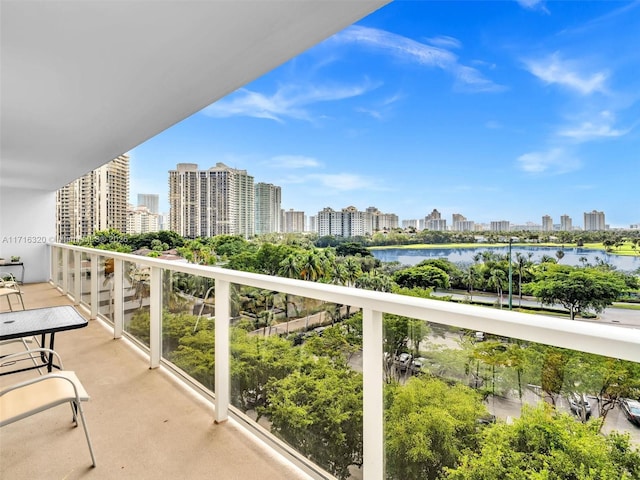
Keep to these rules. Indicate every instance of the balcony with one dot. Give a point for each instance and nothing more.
(143, 423)
(148, 414)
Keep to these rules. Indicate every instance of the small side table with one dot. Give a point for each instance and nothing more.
(14, 264)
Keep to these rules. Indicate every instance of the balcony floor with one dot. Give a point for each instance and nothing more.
(142, 422)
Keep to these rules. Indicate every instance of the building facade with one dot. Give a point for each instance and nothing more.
(293, 221)
(140, 219)
(96, 201)
(566, 224)
(149, 200)
(500, 226)
(547, 223)
(594, 221)
(217, 201)
(268, 199)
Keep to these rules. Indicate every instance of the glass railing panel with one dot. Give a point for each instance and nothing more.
(296, 370)
(58, 258)
(459, 402)
(188, 321)
(106, 279)
(136, 297)
(71, 272)
(85, 282)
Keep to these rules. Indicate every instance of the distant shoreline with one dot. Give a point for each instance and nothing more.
(559, 246)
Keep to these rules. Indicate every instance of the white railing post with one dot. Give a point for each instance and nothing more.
(118, 298)
(222, 350)
(65, 269)
(155, 318)
(77, 277)
(95, 286)
(372, 396)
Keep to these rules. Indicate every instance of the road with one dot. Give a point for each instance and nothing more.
(618, 316)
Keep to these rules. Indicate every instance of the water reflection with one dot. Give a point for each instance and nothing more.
(572, 255)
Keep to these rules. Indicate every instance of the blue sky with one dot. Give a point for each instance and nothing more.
(504, 110)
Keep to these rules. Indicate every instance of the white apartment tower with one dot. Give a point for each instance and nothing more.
(217, 201)
(267, 208)
(329, 222)
(459, 223)
(500, 226)
(382, 221)
(149, 200)
(96, 201)
(292, 221)
(566, 224)
(547, 223)
(594, 221)
(141, 220)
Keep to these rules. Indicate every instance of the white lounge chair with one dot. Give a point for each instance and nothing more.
(41, 393)
(9, 286)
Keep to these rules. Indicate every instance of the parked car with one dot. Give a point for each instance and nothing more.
(417, 365)
(578, 404)
(403, 361)
(631, 409)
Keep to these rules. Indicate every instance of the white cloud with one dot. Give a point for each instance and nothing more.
(533, 5)
(293, 161)
(410, 50)
(554, 70)
(554, 161)
(290, 101)
(445, 41)
(343, 181)
(600, 127)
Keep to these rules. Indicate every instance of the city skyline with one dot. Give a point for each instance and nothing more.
(495, 110)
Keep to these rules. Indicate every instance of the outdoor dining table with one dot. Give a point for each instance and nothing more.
(42, 322)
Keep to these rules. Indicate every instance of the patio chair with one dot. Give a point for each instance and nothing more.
(41, 393)
(9, 286)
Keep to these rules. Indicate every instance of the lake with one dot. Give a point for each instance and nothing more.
(572, 255)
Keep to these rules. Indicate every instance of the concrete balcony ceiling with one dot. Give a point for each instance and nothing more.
(85, 81)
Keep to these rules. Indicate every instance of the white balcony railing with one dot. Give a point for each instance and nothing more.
(74, 269)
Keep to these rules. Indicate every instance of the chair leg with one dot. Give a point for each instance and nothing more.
(21, 301)
(86, 431)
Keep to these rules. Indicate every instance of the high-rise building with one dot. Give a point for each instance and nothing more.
(267, 208)
(96, 201)
(382, 221)
(217, 201)
(413, 223)
(566, 224)
(149, 200)
(293, 221)
(141, 220)
(500, 226)
(459, 223)
(547, 223)
(434, 221)
(594, 221)
(350, 222)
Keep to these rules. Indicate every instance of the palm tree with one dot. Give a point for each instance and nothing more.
(497, 279)
(353, 271)
(523, 263)
(311, 267)
(559, 255)
(290, 268)
(470, 274)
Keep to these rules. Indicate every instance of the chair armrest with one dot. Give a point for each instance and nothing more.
(29, 397)
(9, 359)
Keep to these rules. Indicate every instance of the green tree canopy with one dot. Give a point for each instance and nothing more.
(576, 289)
(546, 445)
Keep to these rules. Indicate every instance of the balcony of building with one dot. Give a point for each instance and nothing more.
(151, 415)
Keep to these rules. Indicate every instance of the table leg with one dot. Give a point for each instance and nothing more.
(50, 362)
